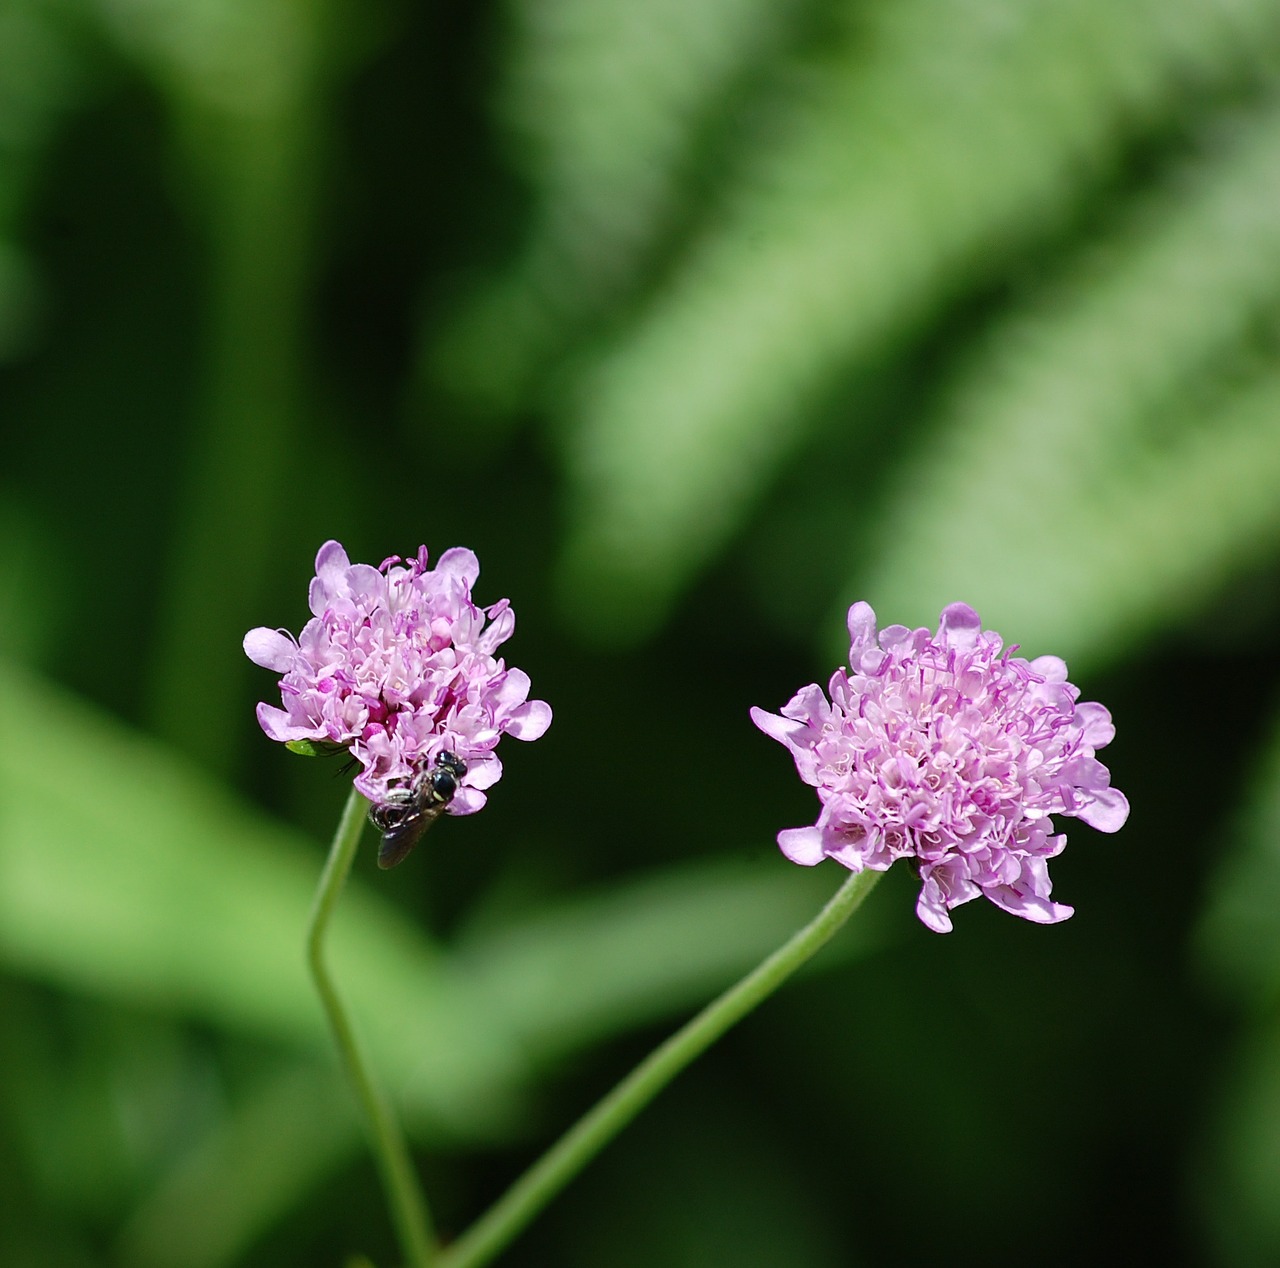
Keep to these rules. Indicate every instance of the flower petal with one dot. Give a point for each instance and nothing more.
(271, 649)
(1050, 668)
(1097, 729)
(279, 726)
(397, 664)
(529, 721)
(460, 563)
(1107, 809)
(782, 729)
(862, 626)
(952, 751)
(331, 566)
(484, 774)
(1029, 906)
(467, 801)
(959, 626)
(802, 845)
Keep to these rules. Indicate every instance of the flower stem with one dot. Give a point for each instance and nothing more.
(533, 1190)
(408, 1208)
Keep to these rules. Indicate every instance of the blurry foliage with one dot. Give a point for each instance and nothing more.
(697, 322)
(1240, 945)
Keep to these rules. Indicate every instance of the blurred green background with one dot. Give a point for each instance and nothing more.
(697, 322)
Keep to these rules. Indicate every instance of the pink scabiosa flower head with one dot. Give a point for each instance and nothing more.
(398, 665)
(951, 752)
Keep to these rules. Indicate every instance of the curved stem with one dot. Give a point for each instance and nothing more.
(408, 1208)
(532, 1191)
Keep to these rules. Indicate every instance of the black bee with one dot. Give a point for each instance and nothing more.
(409, 812)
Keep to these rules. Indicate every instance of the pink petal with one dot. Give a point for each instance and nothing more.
(959, 626)
(802, 845)
(1029, 906)
(270, 649)
(862, 626)
(931, 907)
(467, 801)
(781, 729)
(1107, 809)
(529, 721)
(854, 857)
(331, 566)
(365, 585)
(278, 726)
(1097, 729)
(461, 563)
(502, 624)
(1050, 668)
(484, 774)
(512, 691)
(808, 705)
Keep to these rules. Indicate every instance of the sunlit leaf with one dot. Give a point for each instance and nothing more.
(124, 873)
(582, 971)
(606, 105)
(314, 748)
(938, 136)
(1111, 453)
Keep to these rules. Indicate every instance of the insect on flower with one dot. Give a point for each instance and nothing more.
(396, 664)
(408, 812)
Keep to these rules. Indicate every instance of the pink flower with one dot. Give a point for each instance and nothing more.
(951, 753)
(397, 665)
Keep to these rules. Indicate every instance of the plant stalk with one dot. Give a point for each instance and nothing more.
(533, 1190)
(404, 1195)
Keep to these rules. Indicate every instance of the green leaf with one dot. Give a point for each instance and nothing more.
(594, 966)
(940, 134)
(314, 748)
(125, 873)
(607, 106)
(1111, 452)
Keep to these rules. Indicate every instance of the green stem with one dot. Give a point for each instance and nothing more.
(408, 1208)
(518, 1206)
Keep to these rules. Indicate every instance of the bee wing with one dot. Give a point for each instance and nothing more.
(398, 841)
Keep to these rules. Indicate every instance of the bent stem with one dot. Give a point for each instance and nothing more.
(408, 1208)
(522, 1202)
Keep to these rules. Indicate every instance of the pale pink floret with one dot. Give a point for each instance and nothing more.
(953, 753)
(397, 665)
